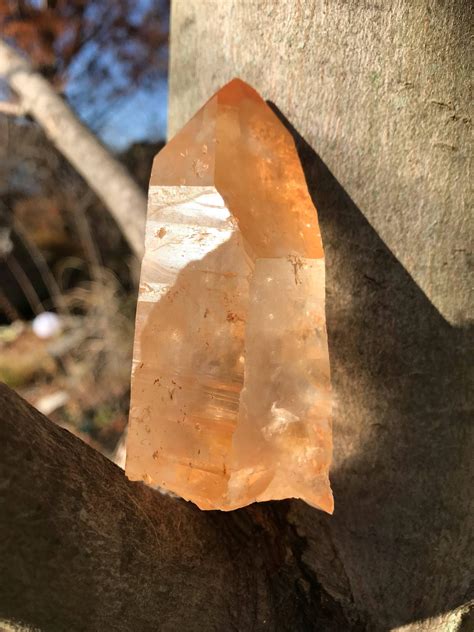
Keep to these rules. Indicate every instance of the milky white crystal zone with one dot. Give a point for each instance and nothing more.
(231, 397)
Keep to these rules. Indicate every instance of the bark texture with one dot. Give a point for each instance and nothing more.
(83, 548)
(377, 96)
(105, 175)
(380, 90)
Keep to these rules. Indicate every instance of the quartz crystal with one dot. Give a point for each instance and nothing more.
(231, 396)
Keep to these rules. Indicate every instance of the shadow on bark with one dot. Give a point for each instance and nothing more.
(85, 548)
(281, 593)
(398, 544)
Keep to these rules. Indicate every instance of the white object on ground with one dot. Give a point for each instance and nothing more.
(46, 325)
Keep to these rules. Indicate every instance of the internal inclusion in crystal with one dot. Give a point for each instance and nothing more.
(231, 399)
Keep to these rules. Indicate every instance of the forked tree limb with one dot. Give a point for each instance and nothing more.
(103, 173)
(83, 548)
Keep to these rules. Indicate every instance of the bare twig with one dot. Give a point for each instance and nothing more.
(105, 175)
(11, 108)
(42, 267)
(25, 284)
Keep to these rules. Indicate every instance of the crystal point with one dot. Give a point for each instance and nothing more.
(231, 396)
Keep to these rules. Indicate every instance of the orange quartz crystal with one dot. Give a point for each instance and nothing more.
(231, 395)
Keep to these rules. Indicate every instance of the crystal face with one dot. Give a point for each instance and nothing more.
(231, 395)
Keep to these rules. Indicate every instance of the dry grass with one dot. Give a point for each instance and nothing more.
(88, 363)
(67, 256)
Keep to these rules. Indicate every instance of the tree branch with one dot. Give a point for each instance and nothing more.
(105, 175)
(83, 548)
(10, 108)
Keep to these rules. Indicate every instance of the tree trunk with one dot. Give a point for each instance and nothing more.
(105, 175)
(379, 91)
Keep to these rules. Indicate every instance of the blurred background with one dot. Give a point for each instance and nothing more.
(67, 294)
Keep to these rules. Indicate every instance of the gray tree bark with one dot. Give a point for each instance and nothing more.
(105, 175)
(378, 97)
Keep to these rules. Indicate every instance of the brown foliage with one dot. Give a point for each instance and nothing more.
(54, 33)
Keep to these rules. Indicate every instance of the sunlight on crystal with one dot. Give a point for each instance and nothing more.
(231, 395)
